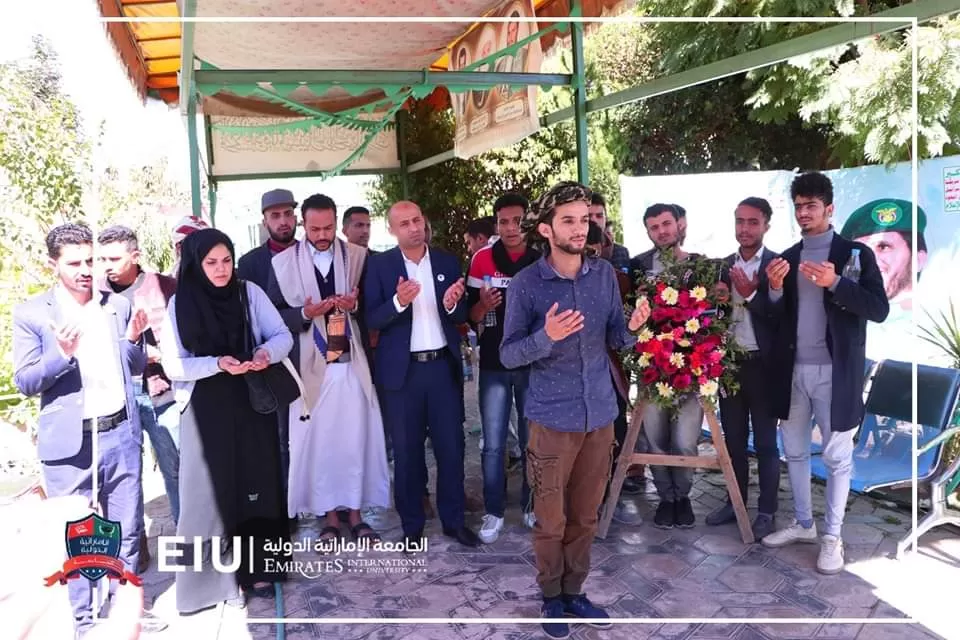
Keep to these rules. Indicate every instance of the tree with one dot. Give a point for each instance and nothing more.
(457, 191)
(137, 199)
(44, 161)
(853, 101)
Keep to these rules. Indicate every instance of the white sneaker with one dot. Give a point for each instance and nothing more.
(491, 528)
(529, 520)
(830, 560)
(794, 533)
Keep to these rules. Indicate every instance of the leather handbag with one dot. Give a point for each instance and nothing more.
(276, 387)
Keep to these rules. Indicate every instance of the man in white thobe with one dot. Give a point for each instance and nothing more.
(338, 457)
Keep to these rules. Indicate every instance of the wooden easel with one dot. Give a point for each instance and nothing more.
(721, 461)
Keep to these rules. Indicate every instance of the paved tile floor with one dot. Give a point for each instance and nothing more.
(639, 572)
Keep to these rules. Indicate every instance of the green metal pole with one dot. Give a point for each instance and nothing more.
(580, 97)
(194, 155)
(402, 151)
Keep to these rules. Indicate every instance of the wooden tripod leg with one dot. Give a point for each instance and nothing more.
(733, 487)
(623, 465)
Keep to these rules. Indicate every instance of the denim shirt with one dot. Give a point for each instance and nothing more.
(571, 385)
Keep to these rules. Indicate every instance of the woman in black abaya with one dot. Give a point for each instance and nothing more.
(230, 482)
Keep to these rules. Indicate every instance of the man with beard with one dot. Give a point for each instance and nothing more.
(119, 258)
(78, 349)
(332, 468)
(664, 433)
(564, 312)
(414, 297)
(280, 219)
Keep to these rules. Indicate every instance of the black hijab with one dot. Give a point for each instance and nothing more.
(209, 318)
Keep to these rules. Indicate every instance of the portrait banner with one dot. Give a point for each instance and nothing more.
(872, 205)
(498, 117)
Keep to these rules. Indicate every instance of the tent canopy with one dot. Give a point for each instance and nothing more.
(285, 98)
(151, 52)
(282, 99)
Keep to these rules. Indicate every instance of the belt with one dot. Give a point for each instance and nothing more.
(427, 356)
(106, 423)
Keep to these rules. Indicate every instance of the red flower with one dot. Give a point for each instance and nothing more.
(681, 381)
(695, 361)
(649, 376)
(716, 371)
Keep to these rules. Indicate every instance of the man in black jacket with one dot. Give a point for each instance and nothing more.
(754, 331)
(823, 290)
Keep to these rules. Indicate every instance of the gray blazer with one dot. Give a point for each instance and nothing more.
(40, 369)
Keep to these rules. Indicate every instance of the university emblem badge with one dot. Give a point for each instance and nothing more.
(93, 551)
(886, 214)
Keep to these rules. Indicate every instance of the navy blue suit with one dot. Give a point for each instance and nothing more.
(419, 398)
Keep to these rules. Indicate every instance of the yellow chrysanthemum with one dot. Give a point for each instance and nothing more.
(664, 390)
(676, 359)
(698, 293)
(709, 388)
(645, 336)
(644, 360)
(692, 326)
(670, 295)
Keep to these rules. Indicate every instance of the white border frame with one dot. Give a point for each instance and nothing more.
(905, 22)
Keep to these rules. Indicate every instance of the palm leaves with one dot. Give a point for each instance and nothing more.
(944, 333)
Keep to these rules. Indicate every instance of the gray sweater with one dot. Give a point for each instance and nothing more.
(811, 314)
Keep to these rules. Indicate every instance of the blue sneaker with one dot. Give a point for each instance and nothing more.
(553, 609)
(580, 607)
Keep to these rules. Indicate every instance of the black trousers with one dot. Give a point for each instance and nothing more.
(750, 408)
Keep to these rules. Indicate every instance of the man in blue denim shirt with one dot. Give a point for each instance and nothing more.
(565, 311)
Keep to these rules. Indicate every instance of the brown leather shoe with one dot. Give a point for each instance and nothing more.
(144, 563)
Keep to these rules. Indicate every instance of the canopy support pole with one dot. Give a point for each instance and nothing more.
(579, 85)
(193, 143)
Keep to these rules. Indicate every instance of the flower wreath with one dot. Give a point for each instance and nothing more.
(687, 347)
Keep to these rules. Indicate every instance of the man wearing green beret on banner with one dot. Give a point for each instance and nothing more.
(885, 226)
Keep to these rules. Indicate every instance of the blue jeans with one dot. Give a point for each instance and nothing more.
(497, 389)
(162, 426)
(120, 491)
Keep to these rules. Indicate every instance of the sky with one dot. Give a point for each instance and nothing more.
(139, 134)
